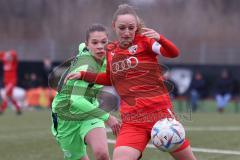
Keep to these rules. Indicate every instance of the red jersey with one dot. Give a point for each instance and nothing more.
(137, 76)
(10, 63)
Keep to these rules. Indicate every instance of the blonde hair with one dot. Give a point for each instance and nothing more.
(124, 9)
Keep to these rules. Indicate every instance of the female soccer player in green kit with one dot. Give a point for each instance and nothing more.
(77, 120)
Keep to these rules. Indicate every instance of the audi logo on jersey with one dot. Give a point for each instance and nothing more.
(144, 81)
(123, 65)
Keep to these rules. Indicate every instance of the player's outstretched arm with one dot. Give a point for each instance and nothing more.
(97, 78)
(71, 76)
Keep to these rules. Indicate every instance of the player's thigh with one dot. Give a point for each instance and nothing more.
(131, 142)
(97, 139)
(94, 134)
(85, 158)
(126, 153)
(133, 136)
(9, 88)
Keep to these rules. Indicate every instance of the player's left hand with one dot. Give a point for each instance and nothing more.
(114, 124)
(72, 76)
(150, 33)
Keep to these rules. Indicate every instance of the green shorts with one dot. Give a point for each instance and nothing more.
(70, 135)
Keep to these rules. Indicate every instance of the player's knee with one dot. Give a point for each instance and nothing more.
(119, 158)
(101, 155)
(122, 158)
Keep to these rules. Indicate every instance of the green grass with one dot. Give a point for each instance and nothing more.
(28, 137)
(207, 105)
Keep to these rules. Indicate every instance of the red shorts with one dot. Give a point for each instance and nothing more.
(137, 135)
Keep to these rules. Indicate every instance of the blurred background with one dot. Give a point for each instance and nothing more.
(207, 32)
(205, 76)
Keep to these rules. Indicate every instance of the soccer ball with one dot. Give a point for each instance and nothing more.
(167, 134)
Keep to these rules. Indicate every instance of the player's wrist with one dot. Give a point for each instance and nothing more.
(81, 73)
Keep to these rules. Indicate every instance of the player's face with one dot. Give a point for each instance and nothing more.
(96, 43)
(8, 56)
(125, 27)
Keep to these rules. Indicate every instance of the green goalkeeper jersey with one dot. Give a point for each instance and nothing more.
(76, 101)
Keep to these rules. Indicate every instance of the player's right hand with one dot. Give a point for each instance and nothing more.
(114, 124)
(72, 76)
(150, 33)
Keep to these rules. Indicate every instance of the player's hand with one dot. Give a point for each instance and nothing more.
(72, 76)
(114, 124)
(150, 33)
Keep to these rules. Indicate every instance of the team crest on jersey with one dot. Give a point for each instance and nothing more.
(112, 53)
(133, 49)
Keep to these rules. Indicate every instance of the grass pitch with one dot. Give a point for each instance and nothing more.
(28, 137)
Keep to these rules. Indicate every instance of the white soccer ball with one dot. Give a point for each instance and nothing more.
(167, 134)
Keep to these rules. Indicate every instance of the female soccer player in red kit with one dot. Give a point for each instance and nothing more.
(10, 63)
(134, 71)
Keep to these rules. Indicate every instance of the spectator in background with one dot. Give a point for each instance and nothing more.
(236, 88)
(224, 89)
(30, 80)
(33, 81)
(171, 85)
(197, 90)
(47, 68)
(10, 66)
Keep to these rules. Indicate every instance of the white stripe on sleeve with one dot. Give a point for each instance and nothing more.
(156, 47)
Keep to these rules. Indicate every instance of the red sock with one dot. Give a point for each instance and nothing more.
(3, 106)
(183, 146)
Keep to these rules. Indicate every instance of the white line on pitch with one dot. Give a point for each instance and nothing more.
(219, 151)
(210, 128)
(203, 150)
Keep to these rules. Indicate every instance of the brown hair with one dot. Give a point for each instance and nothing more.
(95, 28)
(124, 9)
